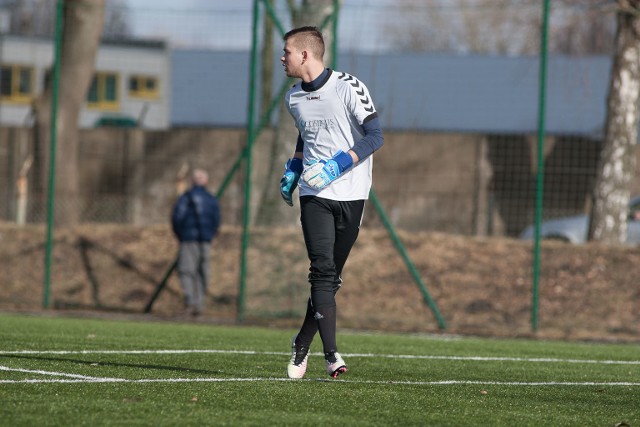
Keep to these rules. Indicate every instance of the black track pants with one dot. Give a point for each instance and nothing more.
(330, 229)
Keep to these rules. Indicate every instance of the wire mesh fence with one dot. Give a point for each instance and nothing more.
(455, 82)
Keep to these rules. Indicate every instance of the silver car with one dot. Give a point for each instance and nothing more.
(574, 229)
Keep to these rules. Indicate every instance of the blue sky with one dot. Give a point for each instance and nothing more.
(224, 24)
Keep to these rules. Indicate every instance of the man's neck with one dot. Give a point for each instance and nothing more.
(313, 73)
(318, 82)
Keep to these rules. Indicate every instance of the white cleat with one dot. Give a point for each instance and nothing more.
(335, 365)
(298, 363)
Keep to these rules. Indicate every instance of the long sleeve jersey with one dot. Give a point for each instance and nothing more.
(330, 115)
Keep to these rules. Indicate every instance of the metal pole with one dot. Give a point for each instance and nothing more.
(53, 137)
(540, 172)
(160, 287)
(272, 14)
(334, 38)
(383, 216)
(407, 260)
(249, 149)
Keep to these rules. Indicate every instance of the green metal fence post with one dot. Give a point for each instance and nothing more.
(407, 260)
(540, 172)
(248, 158)
(334, 38)
(53, 137)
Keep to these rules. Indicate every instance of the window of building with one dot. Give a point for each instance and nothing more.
(103, 92)
(143, 87)
(16, 83)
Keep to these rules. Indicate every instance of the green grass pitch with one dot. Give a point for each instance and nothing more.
(77, 371)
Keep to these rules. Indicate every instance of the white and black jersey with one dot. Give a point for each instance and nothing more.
(330, 118)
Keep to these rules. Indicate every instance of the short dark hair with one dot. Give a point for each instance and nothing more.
(307, 37)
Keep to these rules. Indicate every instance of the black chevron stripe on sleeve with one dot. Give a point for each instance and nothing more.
(355, 83)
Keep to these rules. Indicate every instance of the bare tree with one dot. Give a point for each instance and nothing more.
(37, 18)
(583, 27)
(83, 23)
(272, 210)
(463, 26)
(500, 27)
(611, 193)
(116, 21)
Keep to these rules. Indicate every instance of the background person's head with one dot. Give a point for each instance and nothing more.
(200, 177)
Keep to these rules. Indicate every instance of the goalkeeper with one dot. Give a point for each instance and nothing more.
(338, 129)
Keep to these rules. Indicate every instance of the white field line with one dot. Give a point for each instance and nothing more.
(420, 383)
(74, 378)
(81, 378)
(371, 355)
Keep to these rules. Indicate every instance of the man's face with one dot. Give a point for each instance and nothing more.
(292, 59)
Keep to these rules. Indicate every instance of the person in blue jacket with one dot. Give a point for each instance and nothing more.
(195, 221)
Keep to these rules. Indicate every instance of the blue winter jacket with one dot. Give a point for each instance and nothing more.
(196, 216)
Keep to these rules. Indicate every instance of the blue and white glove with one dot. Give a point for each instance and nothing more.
(319, 174)
(289, 180)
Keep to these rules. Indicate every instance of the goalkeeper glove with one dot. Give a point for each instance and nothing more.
(319, 174)
(289, 180)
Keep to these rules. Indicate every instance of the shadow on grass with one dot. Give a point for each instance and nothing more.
(111, 364)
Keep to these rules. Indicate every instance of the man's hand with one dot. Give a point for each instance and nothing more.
(289, 180)
(319, 174)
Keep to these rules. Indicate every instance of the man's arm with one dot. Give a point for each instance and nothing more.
(178, 214)
(299, 147)
(372, 141)
(322, 173)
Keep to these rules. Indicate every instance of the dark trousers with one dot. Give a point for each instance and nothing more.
(330, 230)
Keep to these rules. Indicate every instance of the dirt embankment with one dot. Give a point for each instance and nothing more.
(480, 286)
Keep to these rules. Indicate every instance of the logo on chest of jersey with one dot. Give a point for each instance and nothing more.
(313, 98)
(315, 125)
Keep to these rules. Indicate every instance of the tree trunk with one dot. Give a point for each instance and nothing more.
(272, 210)
(617, 161)
(83, 21)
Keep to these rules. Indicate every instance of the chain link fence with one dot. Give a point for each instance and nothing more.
(455, 82)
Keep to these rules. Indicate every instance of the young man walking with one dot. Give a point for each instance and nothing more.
(338, 129)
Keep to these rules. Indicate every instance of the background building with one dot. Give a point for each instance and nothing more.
(131, 84)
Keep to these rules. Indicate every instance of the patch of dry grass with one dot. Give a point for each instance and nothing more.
(482, 286)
